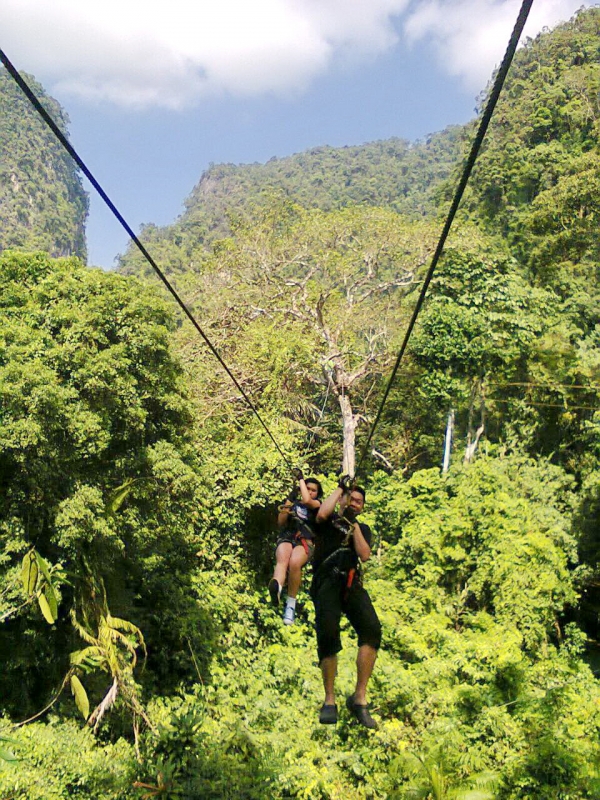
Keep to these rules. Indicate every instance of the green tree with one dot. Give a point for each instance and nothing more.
(91, 400)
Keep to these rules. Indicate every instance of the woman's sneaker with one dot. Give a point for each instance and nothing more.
(289, 615)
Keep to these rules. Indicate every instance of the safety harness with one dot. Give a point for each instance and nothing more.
(343, 563)
(304, 535)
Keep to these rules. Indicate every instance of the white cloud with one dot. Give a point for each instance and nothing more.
(153, 53)
(146, 52)
(470, 36)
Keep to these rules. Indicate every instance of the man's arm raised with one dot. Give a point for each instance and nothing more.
(328, 505)
(362, 547)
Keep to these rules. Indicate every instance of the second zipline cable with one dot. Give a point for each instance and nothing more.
(466, 174)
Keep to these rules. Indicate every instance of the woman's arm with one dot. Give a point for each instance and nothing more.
(284, 512)
(306, 498)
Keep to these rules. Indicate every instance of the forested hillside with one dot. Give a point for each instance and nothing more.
(391, 173)
(42, 202)
(138, 516)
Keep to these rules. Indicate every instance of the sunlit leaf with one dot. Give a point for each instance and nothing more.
(50, 595)
(80, 695)
(6, 755)
(29, 572)
(43, 566)
(118, 497)
(45, 609)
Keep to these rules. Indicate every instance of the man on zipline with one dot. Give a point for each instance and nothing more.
(341, 544)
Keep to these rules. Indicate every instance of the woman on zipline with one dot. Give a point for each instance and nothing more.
(295, 545)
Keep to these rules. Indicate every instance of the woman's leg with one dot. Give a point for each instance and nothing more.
(282, 555)
(298, 559)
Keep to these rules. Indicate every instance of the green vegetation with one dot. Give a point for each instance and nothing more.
(42, 202)
(139, 497)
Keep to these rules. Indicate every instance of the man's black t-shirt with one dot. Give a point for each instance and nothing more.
(330, 536)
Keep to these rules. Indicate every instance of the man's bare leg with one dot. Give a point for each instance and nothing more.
(365, 661)
(329, 670)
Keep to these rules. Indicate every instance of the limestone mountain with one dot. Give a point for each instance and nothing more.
(43, 205)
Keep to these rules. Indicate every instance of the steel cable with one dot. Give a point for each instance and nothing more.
(475, 148)
(80, 163)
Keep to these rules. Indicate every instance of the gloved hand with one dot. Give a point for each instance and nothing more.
(345, 483)
(349, 514)
(297, 473)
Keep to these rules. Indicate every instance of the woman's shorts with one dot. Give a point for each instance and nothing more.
(289, 537)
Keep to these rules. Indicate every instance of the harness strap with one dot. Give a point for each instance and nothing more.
(329, 558)
(304, 543)
(304, 529)
(351, 574)
(304, 540)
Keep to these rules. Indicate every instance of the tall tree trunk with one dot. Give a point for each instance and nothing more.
(448, 441)
(349, 422)
(340, 381)
(473, 436)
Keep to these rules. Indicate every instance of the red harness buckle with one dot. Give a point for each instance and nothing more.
(351, 574)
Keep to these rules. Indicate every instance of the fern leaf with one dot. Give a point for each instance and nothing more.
(85, 635)
(80, 656)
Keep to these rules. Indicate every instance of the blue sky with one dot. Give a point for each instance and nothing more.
(157, 92)
(149, 161)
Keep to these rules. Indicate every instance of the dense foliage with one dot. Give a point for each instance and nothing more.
(42, 202)
(139, 495)
(93, 414)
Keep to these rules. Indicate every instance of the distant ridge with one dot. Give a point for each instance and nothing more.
(391, 173)
(542, 154)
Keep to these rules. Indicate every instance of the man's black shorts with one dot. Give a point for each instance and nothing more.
(331, 600)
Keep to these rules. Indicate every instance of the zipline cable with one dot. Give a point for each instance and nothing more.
(80, 163)
(552, 386)
(475, 147)
(564, 407)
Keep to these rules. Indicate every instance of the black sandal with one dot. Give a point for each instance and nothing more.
(328, 715)
(361, 712)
